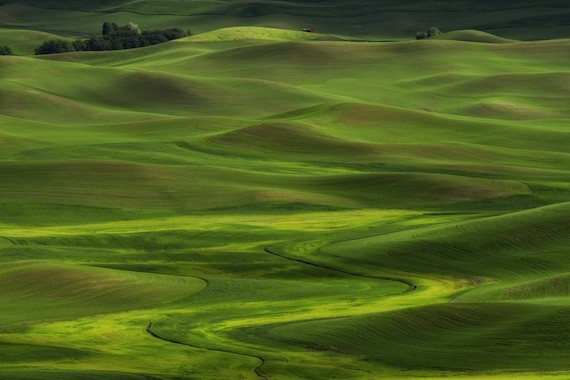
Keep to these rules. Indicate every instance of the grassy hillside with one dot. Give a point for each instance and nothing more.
(256, 203)
(473, 36)
(25, 42)
(385, 19)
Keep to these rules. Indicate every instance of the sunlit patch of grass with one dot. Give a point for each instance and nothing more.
(250, 204)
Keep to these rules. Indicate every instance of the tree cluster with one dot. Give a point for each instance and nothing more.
(6, 50)
(429, 32)
(114, 37)
(55, 47)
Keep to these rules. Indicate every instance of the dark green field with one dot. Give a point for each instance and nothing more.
(263, 203)
(368, 19)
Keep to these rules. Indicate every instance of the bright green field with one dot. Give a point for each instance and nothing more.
(255, 203)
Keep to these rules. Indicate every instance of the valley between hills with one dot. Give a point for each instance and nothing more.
(256, 202)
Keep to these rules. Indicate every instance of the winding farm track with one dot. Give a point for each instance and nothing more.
(411, 287)
(10, 240)
(155, 335)
(257, 369)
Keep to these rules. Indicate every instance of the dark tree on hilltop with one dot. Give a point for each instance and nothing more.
(173, 34)
(433, 32)
(109, 27)
(79, 45)
(421, 35)
(6, 50)
(55, 47)
(430, 32)
(115, 37)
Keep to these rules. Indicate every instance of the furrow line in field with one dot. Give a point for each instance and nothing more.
(10, 240)
(411, 287)
(256, 369)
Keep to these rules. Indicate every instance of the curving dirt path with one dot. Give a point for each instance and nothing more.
(411, 287)
(10, 240)
(257, 369)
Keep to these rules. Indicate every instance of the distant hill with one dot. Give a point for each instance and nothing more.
(24, 41)
(261, 203)
(473, 36)
(532, 19)
(255, 33)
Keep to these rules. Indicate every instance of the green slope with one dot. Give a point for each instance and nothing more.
(473, 36)
(25, 42)
(374, 19)
(258, 203)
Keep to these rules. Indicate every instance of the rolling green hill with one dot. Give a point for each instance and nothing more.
(25, 42)
(374, 19)
(259, 203)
